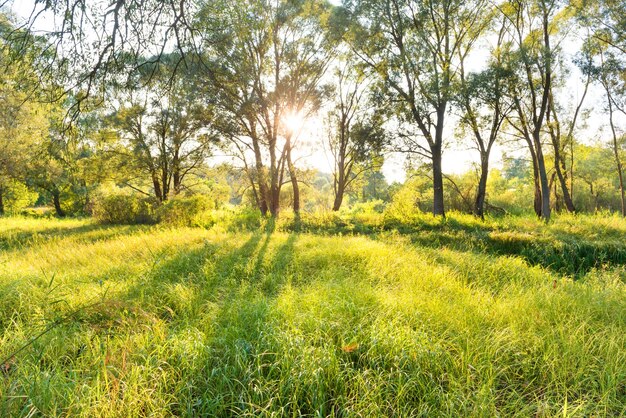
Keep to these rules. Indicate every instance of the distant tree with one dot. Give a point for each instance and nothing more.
(595, 172)
(356, 136)
(165, 132)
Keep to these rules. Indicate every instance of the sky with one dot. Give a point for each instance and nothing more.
(458, 155)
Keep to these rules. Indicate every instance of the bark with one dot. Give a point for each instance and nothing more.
(618, 161)
(536, 183)
(56, 201)
(294, 182)
(164, 183)
(567, 197)
(260, 172)
(543, 179)
(340, 184)
(438, 203)
(157, 187)
(338, 197)
(479, 205)
(560, 168)
(177, 178)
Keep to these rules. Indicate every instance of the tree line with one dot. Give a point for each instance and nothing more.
(142, 93)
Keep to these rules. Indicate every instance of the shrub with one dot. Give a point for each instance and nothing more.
(17, 196)
(123, 208)
(187, 211)
(244, 219)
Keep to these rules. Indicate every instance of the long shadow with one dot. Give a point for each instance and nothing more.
(217, 276)
(568, 257)
(233, 290)
(562, 251)
(16, 239)
(243, 342)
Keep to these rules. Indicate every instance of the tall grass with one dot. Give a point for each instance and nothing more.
(195, 322)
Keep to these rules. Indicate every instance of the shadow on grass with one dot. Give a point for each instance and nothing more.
(569, 257)
(228, 293)
(16, 239)
(218, 273)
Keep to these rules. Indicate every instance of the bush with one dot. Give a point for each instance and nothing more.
(17, 196)
(187, 211)
(123, 208)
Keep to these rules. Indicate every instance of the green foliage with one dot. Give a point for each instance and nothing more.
(119, 207)
(186, 211)
(510, 192)
(16, 196)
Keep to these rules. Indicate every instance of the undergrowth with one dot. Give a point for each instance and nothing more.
(441, 318)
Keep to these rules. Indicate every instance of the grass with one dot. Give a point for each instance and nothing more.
(417, 318)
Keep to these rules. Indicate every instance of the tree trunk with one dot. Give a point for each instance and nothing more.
(340, 188)
(543, 177)
(618, 161)
(264, 197)
(1, 201)
(176, 182)
(157, 188)
(274, 198)
(294, 182)
(536, 183)
(479, 205)
(164, 185)
(438, 204)
(338, 198)
(56, 201)
(567, 198)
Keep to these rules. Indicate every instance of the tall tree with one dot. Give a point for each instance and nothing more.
(562, 140)
(606, 21)
(484, 106)
(165, 129)
(23, 121)
(413, 47)
(533, 24)
(355, 136)
(610, 75)
(265, 61)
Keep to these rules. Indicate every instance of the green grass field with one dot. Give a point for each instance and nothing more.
(429, 318)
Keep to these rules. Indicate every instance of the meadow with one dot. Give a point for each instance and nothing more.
(351, 315)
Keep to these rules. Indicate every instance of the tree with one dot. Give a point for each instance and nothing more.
(165, 131)
(23, 123)
(560, 142)
(533, 23)
(355, 136)
(484, 106)
(95, 44)
(610, 74)
(265, 62)
(605, 19)
(413, 47)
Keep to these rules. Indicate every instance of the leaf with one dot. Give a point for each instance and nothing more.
(350, 348)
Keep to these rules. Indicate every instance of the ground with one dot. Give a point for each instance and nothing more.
(454, 318)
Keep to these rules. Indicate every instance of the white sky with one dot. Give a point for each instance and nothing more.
(458, 156)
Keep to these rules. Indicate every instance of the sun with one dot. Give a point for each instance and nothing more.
(293, 122)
